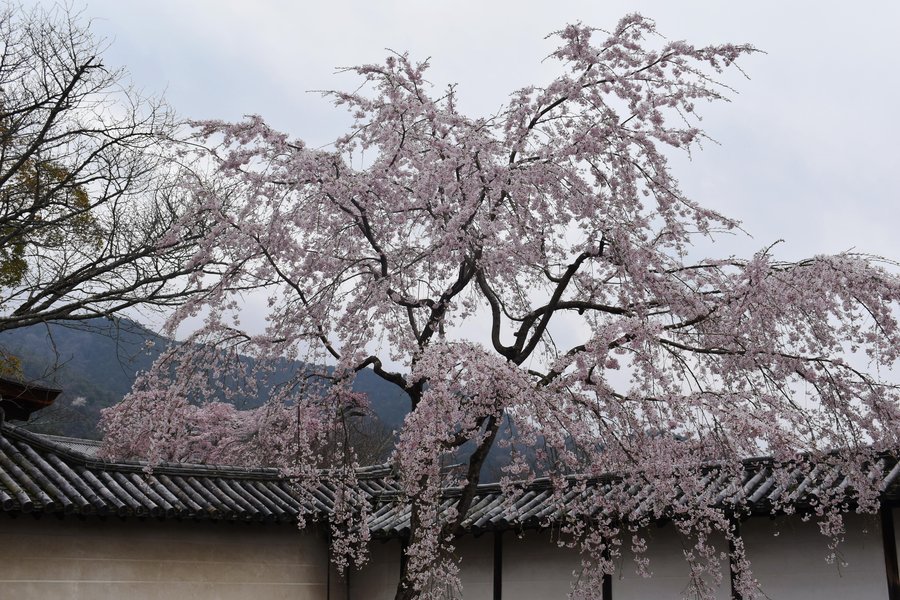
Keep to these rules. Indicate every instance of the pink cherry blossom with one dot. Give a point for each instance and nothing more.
(376, 252)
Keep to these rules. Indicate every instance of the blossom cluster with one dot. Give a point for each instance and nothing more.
(558, 208)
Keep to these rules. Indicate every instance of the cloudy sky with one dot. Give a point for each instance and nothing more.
(807, 148)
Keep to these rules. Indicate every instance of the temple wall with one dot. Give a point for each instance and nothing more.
(378, 578)
(535, 567)
(670, 574)
(50, 558)
(896, 516)
(476, 567)
(94, 559)
(789, 559)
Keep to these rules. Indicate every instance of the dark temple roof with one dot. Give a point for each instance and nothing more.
(759, 488)
(44, 475)
(18, 400)
(88, 448)
(47, 474)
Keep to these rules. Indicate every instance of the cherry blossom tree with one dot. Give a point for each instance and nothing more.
(555, 227)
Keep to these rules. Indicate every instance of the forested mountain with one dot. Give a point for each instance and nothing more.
(95, 363)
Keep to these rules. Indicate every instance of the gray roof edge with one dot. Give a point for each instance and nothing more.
(52, 444)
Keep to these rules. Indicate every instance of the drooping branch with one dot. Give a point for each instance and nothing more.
(490, 426)
(558, 210)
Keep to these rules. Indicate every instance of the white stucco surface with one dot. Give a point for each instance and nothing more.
(536, 568)
(51, 559)
(378, 578)
(93, 559)
(476, 566)
(896, 513)
(788, 559)
(670, 572)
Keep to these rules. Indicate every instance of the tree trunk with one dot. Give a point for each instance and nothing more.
(405, 590)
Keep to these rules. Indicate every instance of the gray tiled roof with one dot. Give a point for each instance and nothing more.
(52, 475)
(758, 488)
(90, 448)
(42, 474)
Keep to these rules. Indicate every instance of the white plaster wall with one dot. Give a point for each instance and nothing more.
(789, 566)
(536, 568)
(476, 566)
(897, 533)
(49, 559)
(378, 578)
(670, 572)
(792, 565)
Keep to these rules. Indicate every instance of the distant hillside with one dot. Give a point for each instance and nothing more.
(95, 364)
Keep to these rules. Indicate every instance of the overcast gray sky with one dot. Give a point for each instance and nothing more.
(808, 147)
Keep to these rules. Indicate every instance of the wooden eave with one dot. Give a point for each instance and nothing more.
(18, 400)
